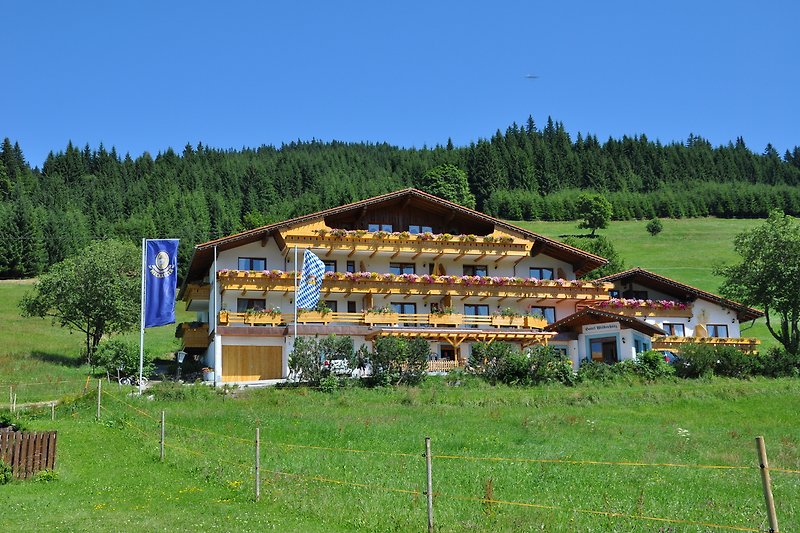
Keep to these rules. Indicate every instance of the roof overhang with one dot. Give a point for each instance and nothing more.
(589, 316)
(680, 290)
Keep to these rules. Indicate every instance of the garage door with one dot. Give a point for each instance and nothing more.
(251, 363)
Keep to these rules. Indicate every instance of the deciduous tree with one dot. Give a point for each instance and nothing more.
(96, 292)
(595, 211)
(769, 275)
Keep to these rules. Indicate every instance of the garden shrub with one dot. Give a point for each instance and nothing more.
(396, 360)
(777, 362)
(114, 354)
(734, 363)
(173, 391)
(596, 371)
(313, 360)
(651, 365)
(696, 361)
(45, 476)
(7, 420)
(500, 362)
(547, 365)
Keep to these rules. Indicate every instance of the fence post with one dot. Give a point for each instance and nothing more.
(429, 491)
(14, 405)
(99, 391)
(52, 411)
(766, 484)
(162, 434)
(258, 464)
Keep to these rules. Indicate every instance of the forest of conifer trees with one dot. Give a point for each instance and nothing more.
(81, 194)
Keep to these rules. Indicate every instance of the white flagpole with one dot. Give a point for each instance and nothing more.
(296, 267)
(216, 317)
(141, 329)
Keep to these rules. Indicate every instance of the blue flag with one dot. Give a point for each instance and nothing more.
(161, 279)
(310, 281)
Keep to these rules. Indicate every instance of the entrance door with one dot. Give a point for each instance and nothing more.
(447, 353)
(604, 350)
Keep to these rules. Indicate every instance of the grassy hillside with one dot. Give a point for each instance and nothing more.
(338, 462)
(42, 361)
(687, 251)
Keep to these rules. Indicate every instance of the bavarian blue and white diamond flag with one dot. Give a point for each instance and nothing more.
(310, 281)
(161, 279)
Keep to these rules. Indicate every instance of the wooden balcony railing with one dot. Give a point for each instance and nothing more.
(638, 308)
(499, 244)
(381, 319)
(676, 343)
(425, 285)
(193, 335)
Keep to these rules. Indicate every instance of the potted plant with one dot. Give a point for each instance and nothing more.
(445, 316)
(507, 317)
(208, 374)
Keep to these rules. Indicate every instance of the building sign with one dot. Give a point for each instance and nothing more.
(611, 327)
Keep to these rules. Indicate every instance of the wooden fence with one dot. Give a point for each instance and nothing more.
(28, 452)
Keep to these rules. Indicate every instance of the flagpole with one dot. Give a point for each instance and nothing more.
(216, 318)
(141, 321)
(296, 267)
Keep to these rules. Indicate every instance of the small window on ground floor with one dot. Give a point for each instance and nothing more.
(333, 305)
(351, 307)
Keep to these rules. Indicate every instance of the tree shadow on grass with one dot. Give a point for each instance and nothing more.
(58, 359)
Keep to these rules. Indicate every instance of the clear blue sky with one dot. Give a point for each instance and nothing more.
(148, 75)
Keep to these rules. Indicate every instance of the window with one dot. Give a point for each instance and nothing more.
(255, 304)
(427, 229)
(252, 263)
(675, 330)
(351, 266)
(401, 268)
(480, 310)
(419, 229)
(717, 330)
(330, 266)
(560, 349)
(475, 270)
(541, 273)
(333, 305)
(351, 307)
(413, 230)
(403, 307)
(614, 293)
(549, 313)
(373, 227)
(636, 295)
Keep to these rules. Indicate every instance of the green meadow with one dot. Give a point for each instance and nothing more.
(352, 460)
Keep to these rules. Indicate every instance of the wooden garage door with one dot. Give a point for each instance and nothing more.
(251, 363)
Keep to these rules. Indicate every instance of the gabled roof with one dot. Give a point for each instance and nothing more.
(596, 316)
(681, 290)
(203, 253)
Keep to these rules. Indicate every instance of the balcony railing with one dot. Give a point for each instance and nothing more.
(411, 284)
(646, 308)
(227, 318)
(442, 365)
(193, 335)
(677, 343)
(499, 244)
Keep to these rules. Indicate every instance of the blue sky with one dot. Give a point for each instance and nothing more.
(147, 75)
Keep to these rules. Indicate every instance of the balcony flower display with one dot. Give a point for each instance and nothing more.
(466, 280)
(632, 303)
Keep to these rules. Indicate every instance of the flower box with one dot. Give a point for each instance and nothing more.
(381, 318)
(313, 316)
(535, 322)
(444, 319)
(223, 318)
(263, 319)
(514, 321)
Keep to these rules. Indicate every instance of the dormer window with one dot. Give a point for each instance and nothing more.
(379, 227)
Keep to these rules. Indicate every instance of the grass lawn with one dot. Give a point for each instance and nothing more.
(687, 251)
(42, 361)
(111, 479)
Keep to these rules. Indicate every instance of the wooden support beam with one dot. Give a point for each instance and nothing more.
(373, 253)
(396, 253)
(361, 214)
(537, 248)
(480, 257)
(459, 256)
(416, 255)
(264, 240)
(450, 217)
(518, 261)
(353, 251)
(329, 252)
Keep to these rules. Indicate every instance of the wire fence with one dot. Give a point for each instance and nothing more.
(245, 445)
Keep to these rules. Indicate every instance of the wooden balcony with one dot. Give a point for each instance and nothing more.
(198, 293)
(411, 285)
(747, 345)
(227, 318)
(682, 310)
(193, 336)
(497, 247)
